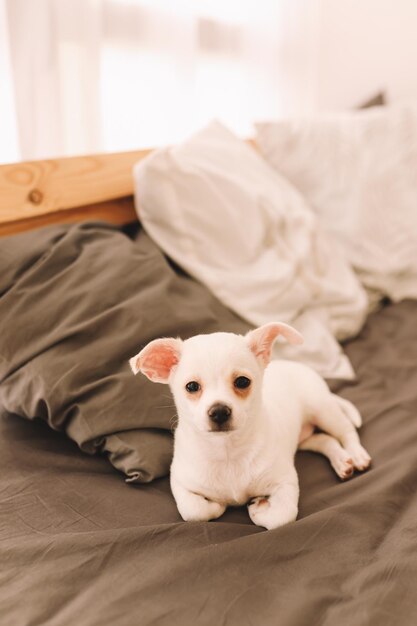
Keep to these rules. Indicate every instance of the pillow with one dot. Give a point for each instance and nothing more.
(358, 172)
(76, 302)
(221, 212)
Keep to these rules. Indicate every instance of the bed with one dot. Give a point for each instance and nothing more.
(78, 545)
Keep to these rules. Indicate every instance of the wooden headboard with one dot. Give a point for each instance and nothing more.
(37, 193)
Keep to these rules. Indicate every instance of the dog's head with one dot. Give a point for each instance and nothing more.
(216, 379)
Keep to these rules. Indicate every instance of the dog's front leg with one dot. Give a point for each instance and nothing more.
(280, 507)
(192, 506)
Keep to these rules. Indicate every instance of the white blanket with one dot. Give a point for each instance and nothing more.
(358, 172)
(221, 212)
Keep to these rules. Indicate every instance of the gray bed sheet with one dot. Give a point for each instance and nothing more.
(80, 546)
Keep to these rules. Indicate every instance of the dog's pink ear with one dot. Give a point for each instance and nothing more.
(261, 339)
(157, 359)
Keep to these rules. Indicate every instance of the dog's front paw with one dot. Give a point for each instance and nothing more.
(258, 508)
(264, 513)
(200, 511)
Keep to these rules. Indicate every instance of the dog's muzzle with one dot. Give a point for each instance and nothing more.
(219, 415)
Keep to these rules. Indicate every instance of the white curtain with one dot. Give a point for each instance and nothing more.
(85, 76)
(9, 145)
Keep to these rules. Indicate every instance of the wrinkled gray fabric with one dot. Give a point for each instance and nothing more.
(76, 302)
(79, 546)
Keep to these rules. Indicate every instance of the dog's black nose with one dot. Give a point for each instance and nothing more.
(219, 413)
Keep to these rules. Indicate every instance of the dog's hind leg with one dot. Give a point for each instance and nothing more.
(333, 420)
(330, 447)
(349, 409)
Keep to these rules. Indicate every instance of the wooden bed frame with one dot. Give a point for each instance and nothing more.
(38, 193)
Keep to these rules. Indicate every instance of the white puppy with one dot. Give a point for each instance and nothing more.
(241, 420)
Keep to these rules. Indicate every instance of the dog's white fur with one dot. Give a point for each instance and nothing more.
(253, 462)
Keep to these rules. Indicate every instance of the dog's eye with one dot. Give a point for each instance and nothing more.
(241, 382)
(193, 386)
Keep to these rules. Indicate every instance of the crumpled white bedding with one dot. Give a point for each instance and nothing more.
(358, 172)
(216, 207)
